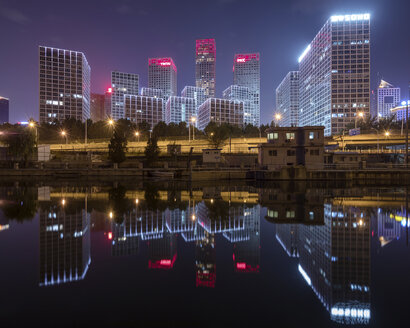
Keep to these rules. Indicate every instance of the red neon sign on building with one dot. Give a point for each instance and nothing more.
(164, 62)
(243, 58)
(205, 46)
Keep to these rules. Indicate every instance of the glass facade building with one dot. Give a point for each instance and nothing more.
(388, 97)
(287, 99)
(205, 62)
(4, 110)
(334, 80)
(220, 111)
(64, 78)
(162, 74)
(180, 109)
(97, 107)
(194, 92)
(140, 109)
(246, 73)
(238, 93)
(122, 84)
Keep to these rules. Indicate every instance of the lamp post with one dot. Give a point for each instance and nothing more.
(278, 117)
(64, 134)
(33, 124)
(360, 114)
(137, 134)
(193, 120)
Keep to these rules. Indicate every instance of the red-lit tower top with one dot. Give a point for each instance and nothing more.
(205, 47)
(243, 58)
(165, 62)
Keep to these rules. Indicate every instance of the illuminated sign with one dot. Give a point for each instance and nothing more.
(243, 58)
(304, 53)
(109, 90)
(240, 60)
(241, 266)
(165, 64)
(348, 18)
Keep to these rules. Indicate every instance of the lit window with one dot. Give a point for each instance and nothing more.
(311, 135)
(290, 136)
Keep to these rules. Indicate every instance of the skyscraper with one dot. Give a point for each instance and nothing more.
(162, 74)
(238, 93)
(4, 110)
(97, 107)
(205, 66)
(334, 80)
(220, 111)
(140, 109)
(64, 85)
(246, 73)
(122, 84)
(287, 99)
(180, 109)
(196, 93)
(388, 97)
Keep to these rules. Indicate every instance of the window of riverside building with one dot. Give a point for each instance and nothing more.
(290, 136)
(272, 136)
(291, 153)
(273, 153)
(311, 135)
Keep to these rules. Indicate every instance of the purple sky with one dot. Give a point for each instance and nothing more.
(122, 34)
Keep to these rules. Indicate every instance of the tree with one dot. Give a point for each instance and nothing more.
(152, 150)
(22, 204)
(117, 147)
(119, 204)
(21, 143)
(217, 135)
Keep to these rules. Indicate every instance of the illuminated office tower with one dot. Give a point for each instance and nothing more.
(246, 73)
(4, 110)
(122, 84)
(334, 74)
(152, 92)
(64, 245)
(140, 109)
(196, 93)
(64, 85)
(238, 93)
(335, 262)
(388, 97)
(162, 74)
(162, 252)
(205, 62)
(97, 107)
(220, 111)
(287, 99)
(180, 109)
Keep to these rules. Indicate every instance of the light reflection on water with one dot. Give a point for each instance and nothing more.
(326, 233)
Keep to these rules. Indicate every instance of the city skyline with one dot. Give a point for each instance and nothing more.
(179, 44)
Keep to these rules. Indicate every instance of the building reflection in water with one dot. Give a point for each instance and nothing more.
(64, 243)
(332, 244)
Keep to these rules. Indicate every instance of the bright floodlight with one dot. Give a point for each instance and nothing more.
(278, 117)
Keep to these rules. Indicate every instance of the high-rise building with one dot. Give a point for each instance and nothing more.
(287, 99)
(122, 84)
(205, 66)
(180, 109)
(388, 97)
(162, 74)
(4, 110)
(97, 107)
(196, 93)
(152, 92)
(64, 85)
(220, 111)
(140, 109)
(238, 93)
(246, 73)
(334, 78)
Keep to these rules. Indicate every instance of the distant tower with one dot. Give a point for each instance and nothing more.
(122, 84)
(388, 97)
(287, 99)
(162, 74)
(64, 85)
(205, 66)
(4, 110)
(246, 73)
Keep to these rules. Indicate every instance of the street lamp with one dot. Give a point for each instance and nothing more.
(278, 117)
(32, 125)
(64, 134)
(360, 114)
(137, 134)
(193, 120)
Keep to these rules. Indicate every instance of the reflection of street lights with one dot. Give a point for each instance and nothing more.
(360, 114)
(278, 117)
(137, 134)
(64, 134)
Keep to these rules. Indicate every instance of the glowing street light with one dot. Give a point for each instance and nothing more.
(193, 120)
(137, 134)
(278, 117)
(64, 134)
(32, 125)
(387, 133)
(360, 114)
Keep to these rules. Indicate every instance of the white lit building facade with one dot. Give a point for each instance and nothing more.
(140, 109)
(239, 93)
(162, 74)
(196, 93)
(334, 80)
(220, 111)
(205, 66)
(122, 84)
(180, 109)
(246, 73)
(287, 99)
(64, 78)
(388, 97)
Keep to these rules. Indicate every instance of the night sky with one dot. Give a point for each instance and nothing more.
(121, 35)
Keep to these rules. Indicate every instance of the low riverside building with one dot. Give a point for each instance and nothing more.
(220, 111)
(293, 146)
